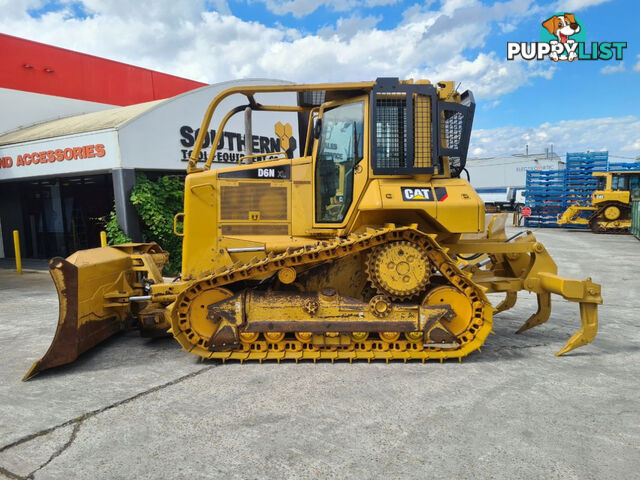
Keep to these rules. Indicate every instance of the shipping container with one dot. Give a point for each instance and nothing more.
(635, 219)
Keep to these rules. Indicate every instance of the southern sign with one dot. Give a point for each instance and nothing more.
(231, 145)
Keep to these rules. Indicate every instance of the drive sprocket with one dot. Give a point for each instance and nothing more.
(399, 270)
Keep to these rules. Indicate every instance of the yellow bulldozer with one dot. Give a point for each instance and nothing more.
(367, 247)
(610, 209)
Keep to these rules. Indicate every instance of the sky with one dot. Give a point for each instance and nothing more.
(574, 106)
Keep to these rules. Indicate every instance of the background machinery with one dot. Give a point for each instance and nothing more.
(367, 246)
(610, 209)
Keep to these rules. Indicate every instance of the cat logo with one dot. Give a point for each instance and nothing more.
(417, 194)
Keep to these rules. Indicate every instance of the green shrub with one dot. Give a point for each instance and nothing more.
(115, 235)
(156, 203)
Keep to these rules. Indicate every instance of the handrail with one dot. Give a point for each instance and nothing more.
(314, 110)
(175, 224)
(249, 91)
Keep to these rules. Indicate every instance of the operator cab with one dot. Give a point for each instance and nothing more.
(627, 182)
(619, 182)
(414, 129)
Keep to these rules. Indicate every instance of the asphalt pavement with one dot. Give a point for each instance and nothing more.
(140, 408)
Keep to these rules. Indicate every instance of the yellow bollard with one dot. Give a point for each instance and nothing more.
(103, 238)
(16, 249)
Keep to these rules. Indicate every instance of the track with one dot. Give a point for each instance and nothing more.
(598, 223)
(296, 347)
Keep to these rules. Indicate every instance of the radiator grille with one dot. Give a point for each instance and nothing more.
(422, 131)
(237, 201)
(255, 229)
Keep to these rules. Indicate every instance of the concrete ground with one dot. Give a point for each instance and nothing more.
(137, 408)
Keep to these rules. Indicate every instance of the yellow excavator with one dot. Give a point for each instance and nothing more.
(367, 247)
(610, 209)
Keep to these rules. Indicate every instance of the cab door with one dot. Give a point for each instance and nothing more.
(340, 154)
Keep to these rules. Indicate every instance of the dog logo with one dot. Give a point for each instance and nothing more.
(563, 38)
(562, 27)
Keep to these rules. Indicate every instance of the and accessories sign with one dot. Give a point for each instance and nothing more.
(59, 156)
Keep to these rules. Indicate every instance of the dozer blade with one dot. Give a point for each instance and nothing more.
(93, 287)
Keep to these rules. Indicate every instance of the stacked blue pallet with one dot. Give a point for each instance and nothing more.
(545, 196)
(624, 166)
(580, 183)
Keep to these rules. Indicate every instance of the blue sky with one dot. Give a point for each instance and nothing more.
(580, 105)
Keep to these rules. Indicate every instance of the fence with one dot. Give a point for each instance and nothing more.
(635, 219)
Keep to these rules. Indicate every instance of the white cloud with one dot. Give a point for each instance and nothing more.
(491, 105)
(221, 6)
(434, 41)
(348, 27)
(16, 8)
(618, 135)
(488, 76)
(301, 8)
(506, 27)
(611, 69)
(379, 3)
(182, 38)
(571, 5)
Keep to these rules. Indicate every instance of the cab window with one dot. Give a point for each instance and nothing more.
(339, 151)
(619, 182)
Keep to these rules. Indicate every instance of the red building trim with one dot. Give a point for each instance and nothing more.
(36, 67)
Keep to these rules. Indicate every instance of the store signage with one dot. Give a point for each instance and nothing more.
(52, 156)
(231, 145)
(72, 154)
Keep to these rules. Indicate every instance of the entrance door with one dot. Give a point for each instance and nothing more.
(64, 215)
(86, 202)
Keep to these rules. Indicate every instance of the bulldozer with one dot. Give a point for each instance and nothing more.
(610, 208)
(368, 246)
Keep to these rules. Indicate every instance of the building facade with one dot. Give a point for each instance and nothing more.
(66, 162)
(502, 180)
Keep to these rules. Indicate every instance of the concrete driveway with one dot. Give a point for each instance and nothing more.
(138, 408)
